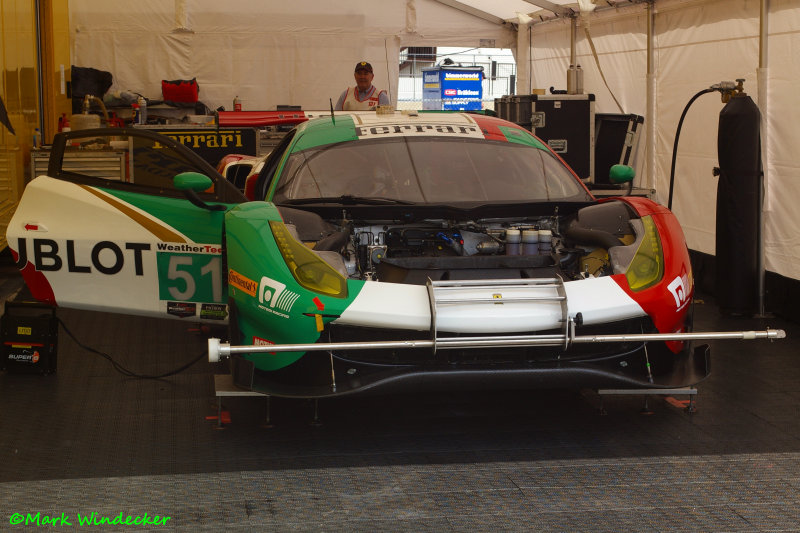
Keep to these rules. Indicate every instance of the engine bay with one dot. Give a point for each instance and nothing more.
(596, 240)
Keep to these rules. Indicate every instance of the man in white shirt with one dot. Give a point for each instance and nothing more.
(364, 96)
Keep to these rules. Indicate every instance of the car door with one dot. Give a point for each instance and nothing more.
(107, 229)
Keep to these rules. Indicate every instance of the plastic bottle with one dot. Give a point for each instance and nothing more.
(37, 138)
(136, 113)
(530, 242)
(142, 110)
(545, 240)
(512, 241)
(237, 104)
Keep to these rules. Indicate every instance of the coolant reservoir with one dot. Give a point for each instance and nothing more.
(84, 122)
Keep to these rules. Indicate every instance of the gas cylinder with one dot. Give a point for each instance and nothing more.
(738, 230)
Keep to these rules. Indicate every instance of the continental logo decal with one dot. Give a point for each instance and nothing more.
(242, 283)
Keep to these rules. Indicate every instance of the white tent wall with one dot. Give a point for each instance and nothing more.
(697, 43)
(270, 53)
(266, 52)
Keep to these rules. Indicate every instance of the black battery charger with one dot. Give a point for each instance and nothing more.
(29, 333)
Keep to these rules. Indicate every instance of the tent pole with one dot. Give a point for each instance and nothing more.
(651, 98)
(573, 26)
(524, 67)
(763, 106)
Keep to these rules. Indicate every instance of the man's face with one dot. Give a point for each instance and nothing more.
(363, 79)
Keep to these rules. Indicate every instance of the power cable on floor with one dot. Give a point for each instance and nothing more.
(121, 369)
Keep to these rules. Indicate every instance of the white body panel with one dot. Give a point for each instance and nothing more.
(100, 253)
(390, 305)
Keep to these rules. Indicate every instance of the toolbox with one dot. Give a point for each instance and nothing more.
(29, 333)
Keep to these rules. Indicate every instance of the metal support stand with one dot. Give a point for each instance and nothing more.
(688, 391)
(315, 420)
(268, 421)
(223, 385)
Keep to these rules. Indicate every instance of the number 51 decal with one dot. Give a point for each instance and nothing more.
(190, 277)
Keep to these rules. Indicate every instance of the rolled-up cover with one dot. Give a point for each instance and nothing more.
(259, 118)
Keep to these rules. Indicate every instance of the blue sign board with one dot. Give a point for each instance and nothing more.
(452, 88)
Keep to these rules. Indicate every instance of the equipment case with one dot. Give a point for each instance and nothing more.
(616, 140)
(30, 338)
(564, 121)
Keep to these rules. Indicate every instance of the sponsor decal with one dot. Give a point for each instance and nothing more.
(462, 76)
(189, 248)
(105, 257)
(431, 77)
(450, 92)
(242, 283)
(274, 297)
(393, 130)
(181, 309)
(206, 139)
(679, 288)
(24, 356)
(214, 311)
(258, 341)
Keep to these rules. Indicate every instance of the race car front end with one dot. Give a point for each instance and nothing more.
(464, 327)
(407, 251)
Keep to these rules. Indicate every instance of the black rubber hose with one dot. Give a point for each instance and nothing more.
(675, 146)
(577, 233)
(332, 242)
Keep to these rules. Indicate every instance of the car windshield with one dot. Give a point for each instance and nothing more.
(431, 170)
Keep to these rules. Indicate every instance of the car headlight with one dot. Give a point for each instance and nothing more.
(307, 268)
(647, 267)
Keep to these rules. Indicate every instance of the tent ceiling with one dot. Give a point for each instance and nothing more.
(541, 9)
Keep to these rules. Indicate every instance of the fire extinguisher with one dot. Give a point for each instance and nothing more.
(237, 104)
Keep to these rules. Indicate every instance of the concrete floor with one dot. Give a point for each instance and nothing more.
(89, 439)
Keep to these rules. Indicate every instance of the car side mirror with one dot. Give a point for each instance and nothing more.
(192, 183)
(621, 174)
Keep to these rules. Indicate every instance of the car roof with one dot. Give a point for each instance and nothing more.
(353, 126)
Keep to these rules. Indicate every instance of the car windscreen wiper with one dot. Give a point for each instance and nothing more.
(346, 199)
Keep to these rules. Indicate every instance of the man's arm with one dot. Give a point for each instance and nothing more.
(340, 102)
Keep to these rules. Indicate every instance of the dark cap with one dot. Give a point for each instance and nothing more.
(363, 65)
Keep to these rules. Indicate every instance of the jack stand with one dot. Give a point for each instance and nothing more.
(688, 391)
(224, 387)
(646, 408)
(268, 422)
(315, 421)
(691, 409)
